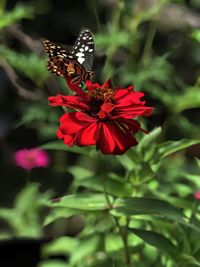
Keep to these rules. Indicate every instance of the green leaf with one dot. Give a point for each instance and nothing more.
(113, 243)
(31, 65)
(187, 100)
(24, 218)
(58, 145)
(170, 147)
(80, 173)
(142, 205)
(147, 146)
(186, 260)
(161, 72)
(30, 198)
(7, 214)
(20, 11)
(85, 248)
(149, 139)
(196, 35)
(130, 159)
(60, 212)
(53, 263)
(142, 174)
(198, 162)
(113, 186)
(83, 201)
(105, 39)
(157, 240)
(60, 246)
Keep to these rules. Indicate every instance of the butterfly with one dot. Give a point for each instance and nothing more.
(75, 63)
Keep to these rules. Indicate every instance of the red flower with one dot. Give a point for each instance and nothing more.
(103, 116)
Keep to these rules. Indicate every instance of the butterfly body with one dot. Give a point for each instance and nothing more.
(76, 63)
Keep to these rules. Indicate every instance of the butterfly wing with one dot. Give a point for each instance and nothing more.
(83, 49)
(59, 58)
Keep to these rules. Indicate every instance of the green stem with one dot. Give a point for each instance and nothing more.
(124, 236)
(122, 231)
(2, 7)
(94, 7)
(195, 209)
(149, 41)
(28, 177)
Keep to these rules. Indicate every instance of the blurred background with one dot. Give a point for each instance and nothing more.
(152, 44)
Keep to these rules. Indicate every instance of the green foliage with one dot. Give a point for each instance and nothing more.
(30, 65)
(141, 205)
(111, 203)
(138, 207)
(83, 201)
(24, 218)
(19, 12)
(158, 241)
(58, 145)
(196, 35)
(41, 117)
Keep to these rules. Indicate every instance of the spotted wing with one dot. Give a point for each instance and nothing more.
(59, 58)
(83, 49)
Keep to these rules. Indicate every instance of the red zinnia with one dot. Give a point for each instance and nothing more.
(103, 116)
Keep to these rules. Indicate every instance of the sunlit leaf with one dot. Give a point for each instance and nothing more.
(157, 240)
(198, 162)
(83, 201)
(186, 260)
(130, 159)
(60, 212)
(80, 173)
(24, 218)
(62, 245)
(53, 263)
(113, 243)
(196, 34)
(170, 147)
(190, 99)
(146, 146)
(112, 186)
(149, 139)
(85, 248)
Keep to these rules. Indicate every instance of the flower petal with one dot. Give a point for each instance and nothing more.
(70, 124)
(132, 112)
(107, 84)
(68, 101)
(125, 97)
(88, 135)
(128, 105)
(113, 140)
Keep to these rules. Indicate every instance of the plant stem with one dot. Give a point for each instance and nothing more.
(122, 231)
(28, 177)
(2, 7)
(149, 41)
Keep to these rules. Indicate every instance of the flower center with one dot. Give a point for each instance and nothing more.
(101, 94)
(31, 158)
(98, 97)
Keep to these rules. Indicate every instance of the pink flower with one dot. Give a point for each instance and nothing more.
(31, 158)
(197, 195)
